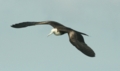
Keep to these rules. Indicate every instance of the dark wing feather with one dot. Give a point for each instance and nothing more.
(25, 24)
(55, 24)
(77, 40)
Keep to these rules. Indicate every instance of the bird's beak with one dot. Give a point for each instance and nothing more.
(50, 34)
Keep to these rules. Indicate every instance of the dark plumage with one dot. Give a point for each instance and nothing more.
(75, 37)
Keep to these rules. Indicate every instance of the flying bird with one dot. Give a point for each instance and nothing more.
(75, 37)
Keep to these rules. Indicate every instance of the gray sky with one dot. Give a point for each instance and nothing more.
(29, 49)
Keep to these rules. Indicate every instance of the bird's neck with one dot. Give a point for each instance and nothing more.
(55, 31)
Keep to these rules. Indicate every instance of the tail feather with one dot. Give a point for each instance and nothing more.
(83, 34)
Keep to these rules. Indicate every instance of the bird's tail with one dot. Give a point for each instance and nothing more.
(82, 33)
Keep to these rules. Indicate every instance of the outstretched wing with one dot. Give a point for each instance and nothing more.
(77, 40)
(25, 24)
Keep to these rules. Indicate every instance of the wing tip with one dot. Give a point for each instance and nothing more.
(15, 26)
(92, 55)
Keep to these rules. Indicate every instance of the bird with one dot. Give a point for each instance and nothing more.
(75, 37)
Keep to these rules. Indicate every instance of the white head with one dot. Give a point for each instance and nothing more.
(54, 31)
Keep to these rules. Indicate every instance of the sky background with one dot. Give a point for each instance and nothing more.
(29, 49)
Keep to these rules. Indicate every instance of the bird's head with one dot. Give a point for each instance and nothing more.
(54, 31)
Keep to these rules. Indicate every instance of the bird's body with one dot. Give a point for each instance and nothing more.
(75, 37)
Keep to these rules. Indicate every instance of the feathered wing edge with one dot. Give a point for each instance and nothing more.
(78, 41)
(24, 24)
(75, 39)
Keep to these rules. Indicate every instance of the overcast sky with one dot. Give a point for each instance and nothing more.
(29, 49)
